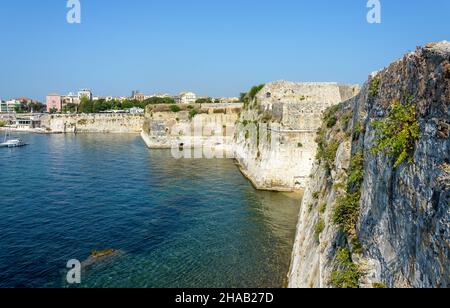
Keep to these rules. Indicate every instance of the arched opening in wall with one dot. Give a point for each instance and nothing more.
(268, 95)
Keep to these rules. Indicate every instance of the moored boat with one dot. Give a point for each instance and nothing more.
(13, 143)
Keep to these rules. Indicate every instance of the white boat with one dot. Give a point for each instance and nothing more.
(9, 142)
(13, 143)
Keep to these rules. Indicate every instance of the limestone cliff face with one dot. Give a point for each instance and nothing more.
(398, 233)
(93, 123)
(274, 142)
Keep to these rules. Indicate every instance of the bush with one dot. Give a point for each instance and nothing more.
(327, 153)
(330, 118)
(193, 113)
(346, 211)
(2, 124)
(255, 90)
(316, 195)
(247, 98)
(207, 100)
(322, 208)
(324, 151)
(356, 171)
(347, 274)
(331, 122)
(398, 133)
(318, 229)
(374, 86)
(357, 130)
(175, 108)
(379, 285)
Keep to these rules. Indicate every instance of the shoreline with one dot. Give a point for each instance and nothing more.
(44, 132)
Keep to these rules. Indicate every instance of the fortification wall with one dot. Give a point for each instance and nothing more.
(192, 127)
(286, 117)
(93, 123)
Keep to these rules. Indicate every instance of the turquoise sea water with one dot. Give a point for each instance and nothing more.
(174, 223)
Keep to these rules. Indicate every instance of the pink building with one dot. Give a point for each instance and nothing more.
(53, 102)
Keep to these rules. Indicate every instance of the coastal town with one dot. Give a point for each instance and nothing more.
(25, 114)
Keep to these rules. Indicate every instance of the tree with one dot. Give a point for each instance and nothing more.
(86, 105)
(207, 100)
(53, 110)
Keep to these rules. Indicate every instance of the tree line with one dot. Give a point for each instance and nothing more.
(102, 105)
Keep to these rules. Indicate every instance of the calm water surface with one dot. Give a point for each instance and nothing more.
(175, 223)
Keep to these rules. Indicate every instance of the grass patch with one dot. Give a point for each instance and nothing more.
(398, 133)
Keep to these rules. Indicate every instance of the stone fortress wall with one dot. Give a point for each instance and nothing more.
(287, 116)
(93, 123)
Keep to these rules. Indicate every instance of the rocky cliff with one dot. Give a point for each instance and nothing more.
(274, 142)
(376, 212)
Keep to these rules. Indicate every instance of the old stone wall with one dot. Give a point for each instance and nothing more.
(93, 123)
(284, 117)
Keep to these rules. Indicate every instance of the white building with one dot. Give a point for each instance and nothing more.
(85, 93)
(186, 98)
(9, 106)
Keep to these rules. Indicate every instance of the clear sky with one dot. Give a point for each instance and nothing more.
(212, 47)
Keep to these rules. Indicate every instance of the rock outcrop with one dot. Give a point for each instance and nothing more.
(274, 142)
(373, 216)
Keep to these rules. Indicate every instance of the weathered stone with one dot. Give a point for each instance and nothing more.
(286, 116)
(404, 218)
(93, 123)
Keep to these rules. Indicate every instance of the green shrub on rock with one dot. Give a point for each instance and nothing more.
(398, 133)
(347, 274)
(374, 86)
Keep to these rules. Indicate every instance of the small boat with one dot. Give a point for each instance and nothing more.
(13, 143)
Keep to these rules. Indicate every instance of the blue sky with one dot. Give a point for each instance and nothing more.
(214, 47)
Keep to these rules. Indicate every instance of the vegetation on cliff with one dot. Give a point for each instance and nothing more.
(374, 86)
(348, 273)
(398, 133)
(249, 97)
(326, 151)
